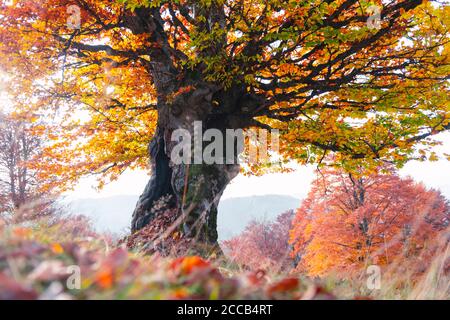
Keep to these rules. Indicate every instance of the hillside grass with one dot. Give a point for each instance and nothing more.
(40, 260)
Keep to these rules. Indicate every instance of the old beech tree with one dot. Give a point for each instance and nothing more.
(331, 75)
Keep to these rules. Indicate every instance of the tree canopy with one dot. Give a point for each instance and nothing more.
(317, 70)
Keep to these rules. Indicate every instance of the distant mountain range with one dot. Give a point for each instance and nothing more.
(113, 214)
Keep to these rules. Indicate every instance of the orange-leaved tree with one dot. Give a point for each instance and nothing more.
(347, 223)
(331, 75)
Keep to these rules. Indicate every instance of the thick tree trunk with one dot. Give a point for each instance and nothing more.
(159, 185)
(194, 189)
(183, 98)
(198, 189)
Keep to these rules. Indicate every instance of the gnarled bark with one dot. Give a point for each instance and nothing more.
(195, 189)
(159, 185)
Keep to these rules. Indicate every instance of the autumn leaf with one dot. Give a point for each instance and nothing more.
(283, 286)
(57, 248)
(187, 265)
(105, 277)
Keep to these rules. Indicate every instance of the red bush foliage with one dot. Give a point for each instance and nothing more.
(263, 245)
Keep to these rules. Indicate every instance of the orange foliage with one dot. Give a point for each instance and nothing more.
(185, 265)
(348, 223)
